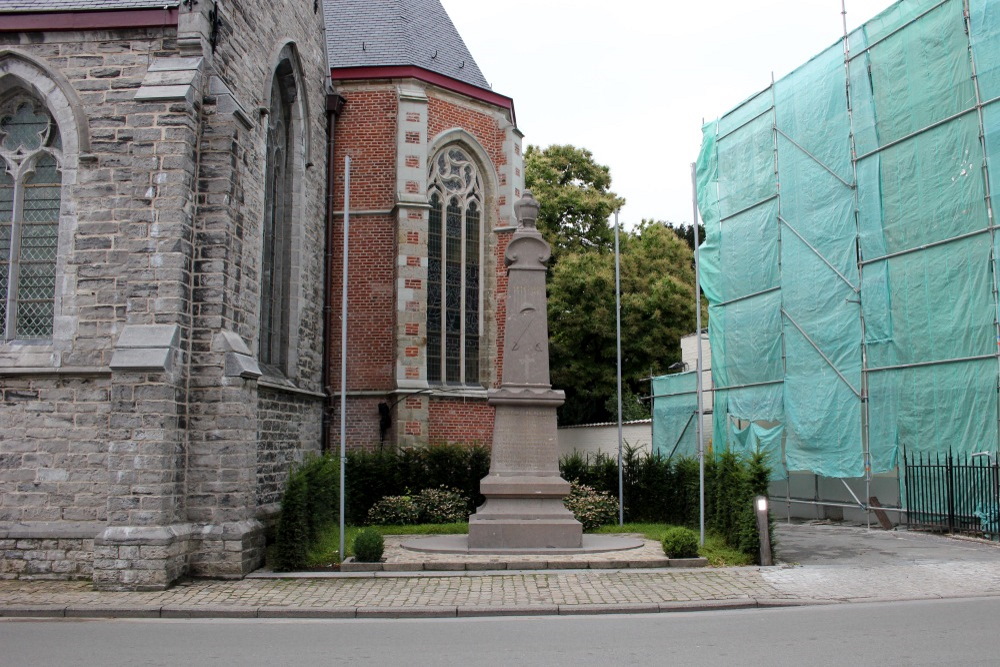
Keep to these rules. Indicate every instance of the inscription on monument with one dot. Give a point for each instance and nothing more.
(528, 448)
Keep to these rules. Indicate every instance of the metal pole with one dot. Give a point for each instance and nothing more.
(865, 418)
(698, 369)
(618, 341)
(987, 194)
(343, 348)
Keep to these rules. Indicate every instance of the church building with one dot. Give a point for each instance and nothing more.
(172, 214)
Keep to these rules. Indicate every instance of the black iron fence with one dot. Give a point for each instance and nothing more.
(957, 493)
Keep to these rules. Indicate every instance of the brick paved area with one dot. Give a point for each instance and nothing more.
(871, 566)
(522, 591)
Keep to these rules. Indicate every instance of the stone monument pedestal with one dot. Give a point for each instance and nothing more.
(524, 491)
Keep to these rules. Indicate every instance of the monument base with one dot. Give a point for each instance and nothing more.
(524, 512)
(459, 544)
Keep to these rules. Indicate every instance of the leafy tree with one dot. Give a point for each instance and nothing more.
(685, 231)
(657, 297)
(575, 198)
(633, 407)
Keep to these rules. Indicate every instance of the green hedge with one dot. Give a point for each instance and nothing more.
(370, 476)
(656, 489)
(310, 504)
(661, 490)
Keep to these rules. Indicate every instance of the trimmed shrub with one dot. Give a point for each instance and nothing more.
(311, 502)
(293, 526)
(322, 475)
(680, 542)
(729, 495)
(441, 505)
(394, 511)
(590, 507)
(369, 546)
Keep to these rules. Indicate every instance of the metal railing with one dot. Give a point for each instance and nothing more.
(957, 493)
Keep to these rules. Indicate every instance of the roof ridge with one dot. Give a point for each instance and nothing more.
(390, 33)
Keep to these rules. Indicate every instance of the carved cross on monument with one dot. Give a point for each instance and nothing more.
(524, 492)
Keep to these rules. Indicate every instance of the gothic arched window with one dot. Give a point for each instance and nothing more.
(277, 246)
(30, 195)
(453, 269)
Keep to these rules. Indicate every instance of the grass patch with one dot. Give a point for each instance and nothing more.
(714, 549)
(324, 551)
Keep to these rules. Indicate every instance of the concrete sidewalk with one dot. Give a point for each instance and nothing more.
(828, 565)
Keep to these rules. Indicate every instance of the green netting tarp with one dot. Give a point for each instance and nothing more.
(675, 414)
(849, 260)
(756, 438)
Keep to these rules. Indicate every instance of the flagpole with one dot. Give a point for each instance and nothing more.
(343, 348)
(618, 340)
(699, 387)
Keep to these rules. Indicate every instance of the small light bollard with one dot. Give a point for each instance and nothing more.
(760, 505)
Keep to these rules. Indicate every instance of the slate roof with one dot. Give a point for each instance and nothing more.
(382, 33)
(81, 5)
(359, 33)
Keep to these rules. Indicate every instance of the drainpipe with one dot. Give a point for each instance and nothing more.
(334, 105)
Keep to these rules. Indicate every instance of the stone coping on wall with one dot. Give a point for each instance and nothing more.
(52, 530)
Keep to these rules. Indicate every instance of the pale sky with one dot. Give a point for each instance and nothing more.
(632, 80)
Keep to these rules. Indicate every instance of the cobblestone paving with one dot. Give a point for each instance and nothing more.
(835, 566)
(489, 590)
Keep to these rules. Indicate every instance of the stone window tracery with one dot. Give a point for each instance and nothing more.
(30, 199)
(454, 269)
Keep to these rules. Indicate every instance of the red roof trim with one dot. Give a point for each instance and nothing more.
(414, 72)
(99, 20)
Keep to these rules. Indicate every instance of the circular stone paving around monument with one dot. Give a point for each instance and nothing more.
(459, 544)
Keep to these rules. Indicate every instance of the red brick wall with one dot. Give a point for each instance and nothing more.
(443, 115)
(462, 421)
(371, 303)
(362, 423)
(366, 130)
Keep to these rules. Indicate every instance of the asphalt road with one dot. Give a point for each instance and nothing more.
(933, 632)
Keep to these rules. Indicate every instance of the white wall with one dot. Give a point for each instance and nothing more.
(593, 438)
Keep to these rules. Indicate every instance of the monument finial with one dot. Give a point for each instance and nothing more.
(526, 210)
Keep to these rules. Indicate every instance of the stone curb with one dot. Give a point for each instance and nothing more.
(445, 611)
(349, 567)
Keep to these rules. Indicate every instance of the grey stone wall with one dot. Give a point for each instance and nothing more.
(133, 419)
(46, 558)
(226, 435)
(53, 462)
(289, 430)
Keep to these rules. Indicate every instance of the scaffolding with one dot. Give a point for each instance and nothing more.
(850, 258)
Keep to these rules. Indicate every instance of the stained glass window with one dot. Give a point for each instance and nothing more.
(453, 269)
(276, 254)
(30, 198)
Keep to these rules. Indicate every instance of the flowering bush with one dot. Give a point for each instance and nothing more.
(441, 505)
(394, 511)
(590, 507)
